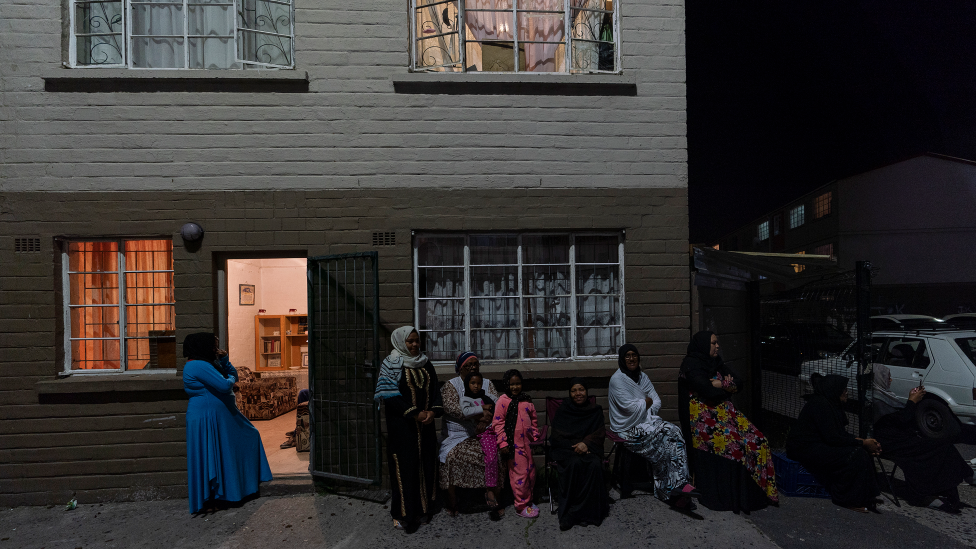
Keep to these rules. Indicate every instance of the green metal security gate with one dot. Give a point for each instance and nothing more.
(344, 358)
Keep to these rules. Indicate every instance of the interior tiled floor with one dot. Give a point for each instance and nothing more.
(287, 462)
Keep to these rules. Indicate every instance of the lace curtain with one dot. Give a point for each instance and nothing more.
(508, 322)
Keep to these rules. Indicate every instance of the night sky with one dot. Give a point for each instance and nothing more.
(786, 96)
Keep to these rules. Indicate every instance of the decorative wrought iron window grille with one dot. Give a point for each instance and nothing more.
(526, 296)
(182, 34)
(515, 36)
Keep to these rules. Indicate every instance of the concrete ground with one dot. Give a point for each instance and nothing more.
(283, 462)
(290, 514)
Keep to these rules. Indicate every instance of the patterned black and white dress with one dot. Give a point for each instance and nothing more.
(646, 434)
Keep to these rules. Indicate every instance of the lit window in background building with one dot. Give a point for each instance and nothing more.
(762, 231)
(797, 216)
(796, 266)
(777, 224)
(821, 206)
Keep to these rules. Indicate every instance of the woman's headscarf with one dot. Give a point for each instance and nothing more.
(633, 375)
(698, 355)
(399, 340)
(388, 382)
(576, 422)
(830, 386)
(461, 359)
(701, 345)
(511, 415)
(200, 346)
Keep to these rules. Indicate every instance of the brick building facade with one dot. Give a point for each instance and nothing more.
(305, 161)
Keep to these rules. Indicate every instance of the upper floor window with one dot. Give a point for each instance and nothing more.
(797, 216)
(821, 205)
(182, 34)
(515, 36)
(762, 231)
(777, 224)
(520, 296)
(118, 305)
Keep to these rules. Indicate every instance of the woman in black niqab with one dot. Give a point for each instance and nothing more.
(577, 439)
(729, 456)
(819, 441)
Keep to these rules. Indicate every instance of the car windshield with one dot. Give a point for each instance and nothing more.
(968, 347)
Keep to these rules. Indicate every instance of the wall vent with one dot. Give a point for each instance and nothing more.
(384, 239)
(30, 245)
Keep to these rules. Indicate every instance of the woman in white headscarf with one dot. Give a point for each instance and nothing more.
(407, 385)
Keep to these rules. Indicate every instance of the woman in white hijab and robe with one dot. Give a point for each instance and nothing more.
(407, 386)
(634, 405)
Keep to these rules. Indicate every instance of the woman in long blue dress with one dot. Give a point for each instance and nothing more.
(225, 459)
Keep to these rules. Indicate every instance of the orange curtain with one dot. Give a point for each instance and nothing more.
(94, 281)
(149, 312)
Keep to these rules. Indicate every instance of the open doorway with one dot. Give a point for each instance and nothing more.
(265, 331)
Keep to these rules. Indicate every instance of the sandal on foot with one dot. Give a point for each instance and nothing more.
(398, 525)
(529, 512)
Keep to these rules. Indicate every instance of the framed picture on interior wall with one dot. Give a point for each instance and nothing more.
(304, 360)
(247, 294)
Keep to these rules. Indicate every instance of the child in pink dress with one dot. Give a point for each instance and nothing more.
(516, 427)
(478, 407)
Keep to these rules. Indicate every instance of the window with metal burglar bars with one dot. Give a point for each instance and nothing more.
(118, 305)
(515, 36)
(182, 34)
(520, 296)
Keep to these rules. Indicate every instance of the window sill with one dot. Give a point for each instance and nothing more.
(117, 387)
(139, 80)
(439, 83)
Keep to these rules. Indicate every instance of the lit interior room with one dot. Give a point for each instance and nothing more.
(267, 331)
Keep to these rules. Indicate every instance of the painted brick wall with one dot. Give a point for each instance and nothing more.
(350, 130)
(100, 448)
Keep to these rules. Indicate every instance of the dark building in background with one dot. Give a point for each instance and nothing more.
(913, 220)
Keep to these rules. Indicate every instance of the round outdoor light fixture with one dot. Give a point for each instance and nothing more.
(191, 232)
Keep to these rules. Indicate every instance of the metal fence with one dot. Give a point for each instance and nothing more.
(344, 358)
(821, 327)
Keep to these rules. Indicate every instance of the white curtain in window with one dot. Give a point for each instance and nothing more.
(161, 40)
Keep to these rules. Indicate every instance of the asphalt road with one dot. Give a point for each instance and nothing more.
(289, 514)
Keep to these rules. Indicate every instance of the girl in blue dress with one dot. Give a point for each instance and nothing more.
(225, 459)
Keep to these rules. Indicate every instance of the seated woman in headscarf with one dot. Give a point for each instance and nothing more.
(730, 458)
(407, 386)
(634, 405)
(820, 442)
(577, 450)
(462, 458)
(225, 460)
(933, 468)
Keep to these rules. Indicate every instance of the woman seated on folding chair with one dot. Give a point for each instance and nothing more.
(729, 457)
(933, 468)
(577, 451)
(820, 442)
(634, 405)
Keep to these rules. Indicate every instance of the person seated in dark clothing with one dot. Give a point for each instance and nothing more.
(577, 449)
(819, 441)
(933, 468)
